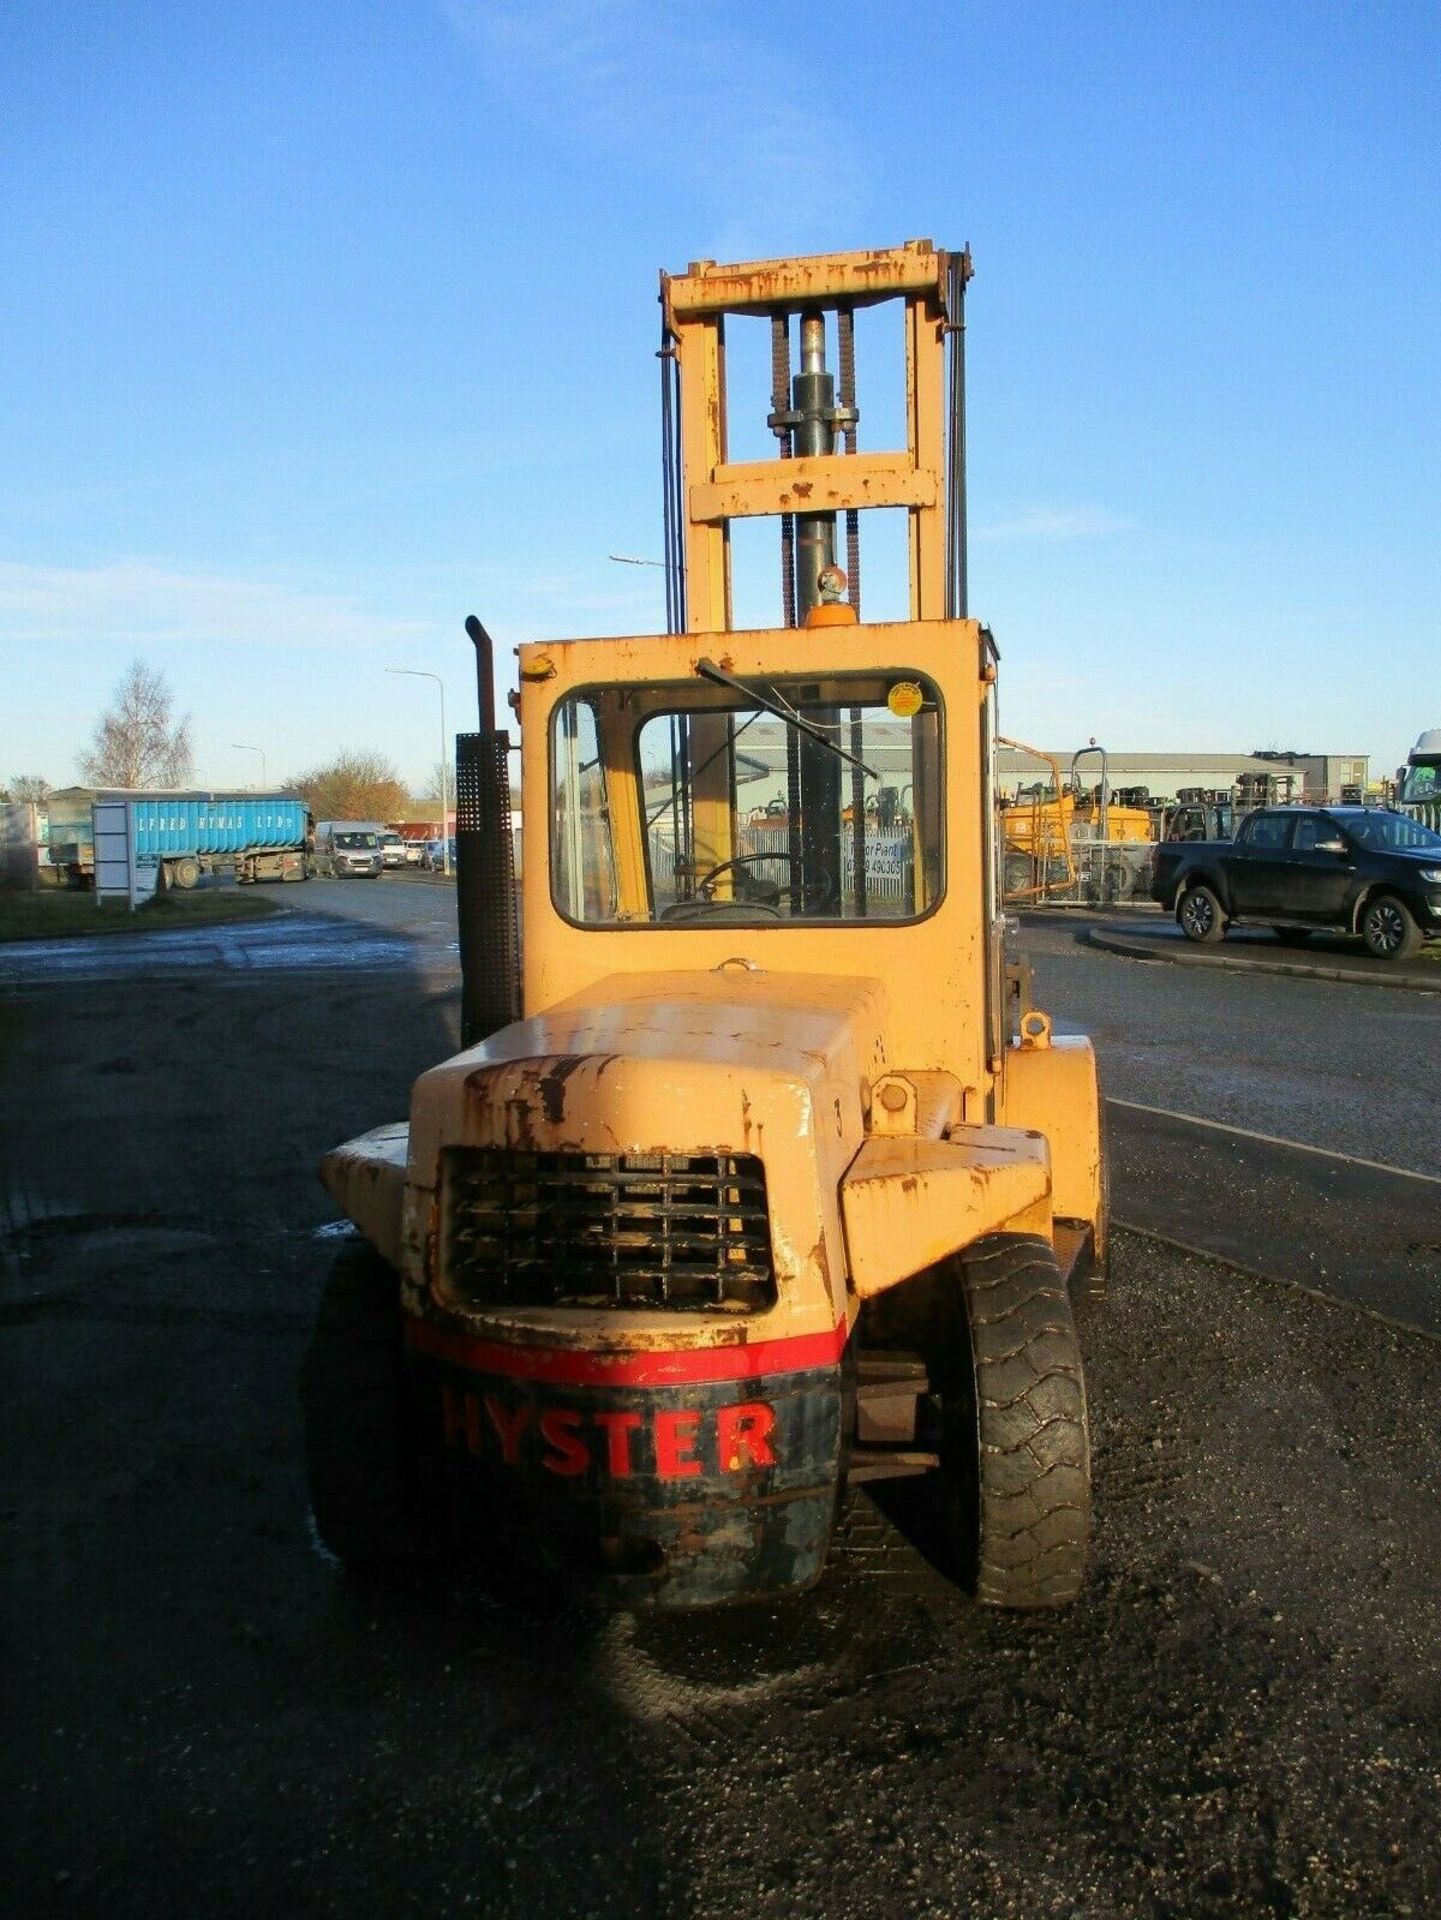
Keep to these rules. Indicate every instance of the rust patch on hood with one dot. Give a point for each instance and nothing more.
(531, 1092)
(551, 1084)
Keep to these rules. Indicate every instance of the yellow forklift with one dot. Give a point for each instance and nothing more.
(757, 1174)
(1064, 840)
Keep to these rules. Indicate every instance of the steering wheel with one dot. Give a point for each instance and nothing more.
(804, 894)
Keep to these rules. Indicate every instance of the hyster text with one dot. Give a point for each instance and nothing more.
(681, 1441)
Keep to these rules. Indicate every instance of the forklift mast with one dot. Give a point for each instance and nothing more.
(820, 475)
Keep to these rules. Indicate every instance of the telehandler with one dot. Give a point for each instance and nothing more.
(758, 1173)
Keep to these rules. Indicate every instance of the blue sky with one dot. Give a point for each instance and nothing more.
(322, 326)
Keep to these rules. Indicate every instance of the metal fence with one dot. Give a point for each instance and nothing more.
(1096, 872)
(1091, 872)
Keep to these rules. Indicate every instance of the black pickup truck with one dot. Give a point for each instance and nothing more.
(1361, 870)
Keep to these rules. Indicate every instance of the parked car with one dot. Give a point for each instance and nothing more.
(392, 850)
(1360, 870)
(432, 856)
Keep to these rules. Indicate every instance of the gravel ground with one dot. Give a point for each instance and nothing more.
(1239, 1717)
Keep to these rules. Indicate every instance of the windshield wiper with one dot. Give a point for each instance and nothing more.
(708, 670)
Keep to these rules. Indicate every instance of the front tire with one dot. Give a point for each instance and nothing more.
(1388, 929)
(1200, 916)
(362, 1488)
(1015, 1446)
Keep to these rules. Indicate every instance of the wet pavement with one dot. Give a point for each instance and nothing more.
(281, 941)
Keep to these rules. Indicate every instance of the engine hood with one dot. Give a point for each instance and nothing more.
(638, 1063)
(735, 1061)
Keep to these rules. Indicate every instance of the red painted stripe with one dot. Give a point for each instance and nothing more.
(674, 1367)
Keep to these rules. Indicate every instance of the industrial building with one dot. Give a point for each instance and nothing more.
(1316, 777)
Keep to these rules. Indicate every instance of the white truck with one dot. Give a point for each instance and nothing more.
(1420, 780)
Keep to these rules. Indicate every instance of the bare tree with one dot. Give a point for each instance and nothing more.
(356, 786)
(137, 743)
(29, 788)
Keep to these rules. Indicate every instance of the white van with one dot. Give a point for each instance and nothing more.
(347, 849)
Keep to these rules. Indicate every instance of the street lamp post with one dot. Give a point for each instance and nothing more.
(419, 673)
(241, 747)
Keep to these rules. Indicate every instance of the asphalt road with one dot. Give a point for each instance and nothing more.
(1241, 1716)
(1347, 1069)
(1281, 1123)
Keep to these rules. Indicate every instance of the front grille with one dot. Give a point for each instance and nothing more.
(681, 1230)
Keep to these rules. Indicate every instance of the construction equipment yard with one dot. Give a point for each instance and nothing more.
(760, 1449)
(1238, 1715)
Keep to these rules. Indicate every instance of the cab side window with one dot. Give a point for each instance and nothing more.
(1267, 832)
(1310, 831)
(582, 854)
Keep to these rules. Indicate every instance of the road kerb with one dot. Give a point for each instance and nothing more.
(1165, 946)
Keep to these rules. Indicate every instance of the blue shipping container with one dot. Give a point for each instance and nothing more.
(171, 827)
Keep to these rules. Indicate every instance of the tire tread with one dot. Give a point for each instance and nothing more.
(1033, 1484)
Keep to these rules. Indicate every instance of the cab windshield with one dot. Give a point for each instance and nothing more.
(816, 800)
(1421, 783)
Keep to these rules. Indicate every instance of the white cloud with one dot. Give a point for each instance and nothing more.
(1058, 523)
(144, 602)
(636, 80)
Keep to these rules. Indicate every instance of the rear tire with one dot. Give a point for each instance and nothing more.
(1388, 929)
(185, 872)
(1015, 1447)
(362, 1486)
(1200, 917)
